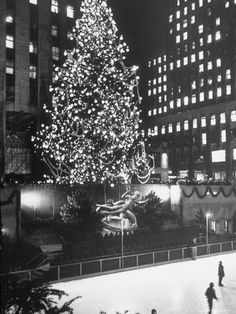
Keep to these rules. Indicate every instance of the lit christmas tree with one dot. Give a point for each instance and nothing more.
(93, 135)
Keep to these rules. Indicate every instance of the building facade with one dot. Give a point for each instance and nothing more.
(189, 107)
(33, 37)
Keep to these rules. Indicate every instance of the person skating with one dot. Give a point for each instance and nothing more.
(210, 294)
(221, 273)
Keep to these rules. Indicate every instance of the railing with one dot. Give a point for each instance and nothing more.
(118, 263)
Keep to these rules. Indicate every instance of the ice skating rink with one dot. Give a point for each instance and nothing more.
(176, 288)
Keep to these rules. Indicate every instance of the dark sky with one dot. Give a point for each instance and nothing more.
(142, 22)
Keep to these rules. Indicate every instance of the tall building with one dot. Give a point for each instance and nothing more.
(189, 109)
(33, 37)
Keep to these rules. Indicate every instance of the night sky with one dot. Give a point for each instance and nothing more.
(143, 24)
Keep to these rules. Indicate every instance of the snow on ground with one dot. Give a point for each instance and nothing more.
(176, 288)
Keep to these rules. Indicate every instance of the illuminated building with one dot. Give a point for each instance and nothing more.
(189, 110)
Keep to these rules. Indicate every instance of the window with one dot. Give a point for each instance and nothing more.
(149, 92)
(193, 6)
(9, 19)
(227, 4)
(218, 62)
(54, 30)
(213, 119)
(170, 128)
(233, 116)
(177, 39)
(32, 72)
(172, 104)
(171, 18)
(228, 89)
(186, 100)
(178, 26)
(200, 3)
(209, 65)
(185, 36)
(154, 81)
(218, 155)
(200, 55)
(33, 1)
(185, 10)
(33, 47)
(218, 35)
(210, 94)
(159, 70)
(54, 6)
(217, 21)
(201, 96)
(9, 42)
(222, 117)
(194, 123)
(178, 127)
(209, 38)
(154, 91)
(204, 139)
(154, 62)
(219, 78)
(154, 111)
(163, 129)
(149, 64)
(55, 53)
(171, 66)
(200, 29)
(223, 136)
(194, 99)
(201, 41)
(149, 113)
(194, 85)
(192, 19)
(219, 92)
(193, 58)
(201, 68)
(185, 24)
(203, 122)
(9, 67)
(186, 126)
(156, 130)
(178, 64)
(234, 153)
(228, 74)
(178, 14)
(178, 102)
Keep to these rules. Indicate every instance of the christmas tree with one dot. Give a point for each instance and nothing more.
(93, 134)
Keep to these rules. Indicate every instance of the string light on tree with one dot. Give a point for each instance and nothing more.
(93, 134)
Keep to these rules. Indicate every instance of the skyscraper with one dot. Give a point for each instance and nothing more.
(189, 109)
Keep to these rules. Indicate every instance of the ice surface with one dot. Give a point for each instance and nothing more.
(176, 288)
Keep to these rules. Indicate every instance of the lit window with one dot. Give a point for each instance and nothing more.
(201, 82)
(178, 26)
(193, 58)
(177, 39)
(193, 6)
(200, 29)
(201, 68)
(164, 78)
(233, 116)
(185, 36)
(209, 80)
(9, 19)
(154, 62)
(154, 111)
(178, 127)
(32, 47)
(222, 117)
(234, 153)
(32, 72)
(185, 60)
(149, 131)
(219, 78)
(194, 85)
(201, 96)
(54, 6)
(204, 139)
(217, 21)
(223, 136)
(178, 14)
(178, 102)
(228, 74)
(159, 100)
(164, 67)
(156, 130)
(219, 92)
(185, 10)
(154, 91)
(171, 66)
(178, 2)
(218, 35)
(9, 66)
(154, 81)
(213, 119)
(55, 53)
(209, 38)
(33, 1)
(159, 60)
(218, 155)
(209, 65)
(203, 122)
(210, 94)
(54, 30)
(172, 104)
(149, 64)
(227, 4)
(193, 45)
(200, 55)
(218, 62)
(194, 99)
(171, 18)
(200, 3)
(185, 24)
(159, 70)
(178, 63)
(201, 41)
(159, 89)
(149, 92)
(159, 79)
(194, 123)
(149, 113)
(186, 100)
(170, 128)
(163, 129)
(186, 126)
(193, 19)
(9, 42)
(164, 88)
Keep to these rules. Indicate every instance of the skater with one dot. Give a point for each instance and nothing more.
(221, 273)
(210, 294)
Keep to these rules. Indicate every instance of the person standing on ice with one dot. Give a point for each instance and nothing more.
(221, 273)
(210, 294)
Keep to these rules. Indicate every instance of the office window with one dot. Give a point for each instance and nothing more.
(203, 122)
(218, 35)
(222, 117)
(194, 99)
(54, 6)
(9, 67)
(204, 139)
(218, 62)
(55, 53)
(9, 19)
(228, 89)
(159, 60)
(164, 78)
(228, 74)
(149, 131)
(159, 89)
(33, 1)
(193, 45)
(193, 58)
(149, 64)
(210, 94)
(54, 30)
(32, 72)
(186, 100)
(178, 127)
(170, 128)
(194, 123)
(33, 47)
(213, 119)
(209, 38)
(233, 116)
(186, 125)
(223, 136)
(209, 80)
(219, 92)
(201, 96)
(9, 42)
